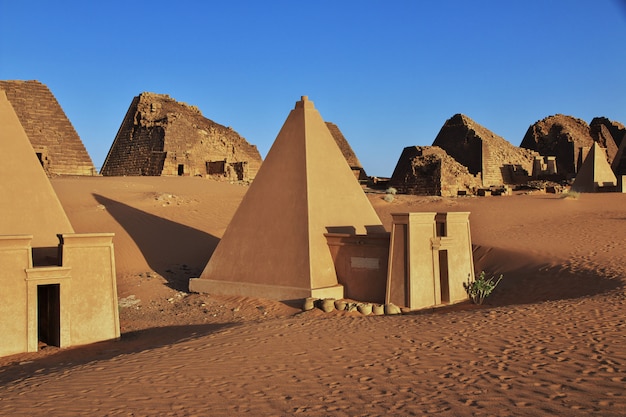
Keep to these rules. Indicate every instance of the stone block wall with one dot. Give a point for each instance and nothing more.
(429, 170)
(160, 136)
(50, 132)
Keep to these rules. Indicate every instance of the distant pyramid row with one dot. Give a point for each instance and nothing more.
(466, 156)
(161, 136)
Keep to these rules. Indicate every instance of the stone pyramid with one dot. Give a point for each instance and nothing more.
(30, 205)
(594, 172)
(619, 163)
(275, 246)
(51, 134)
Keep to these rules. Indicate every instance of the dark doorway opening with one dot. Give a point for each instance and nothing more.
(216, 167)
(49, 314)
(40, 157)
(240, 170)
(444, 281)
(181, 170)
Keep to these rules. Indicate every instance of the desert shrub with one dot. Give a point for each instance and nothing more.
(481, 287)
(388, 198)
(391, 191)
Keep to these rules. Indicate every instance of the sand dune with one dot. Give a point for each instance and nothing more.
(550, 341)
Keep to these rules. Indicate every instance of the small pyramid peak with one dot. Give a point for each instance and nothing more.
(304, 103)
(459, 119)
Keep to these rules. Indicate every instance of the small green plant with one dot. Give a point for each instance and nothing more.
(391, 191)
(481, 287)
(388, 198)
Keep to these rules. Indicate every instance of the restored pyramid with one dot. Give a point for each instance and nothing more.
(595, 172)
(34, 208)
(275, 247)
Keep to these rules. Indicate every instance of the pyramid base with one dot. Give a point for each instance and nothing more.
(272, 292)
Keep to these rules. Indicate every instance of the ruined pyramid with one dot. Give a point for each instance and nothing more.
(275, 246)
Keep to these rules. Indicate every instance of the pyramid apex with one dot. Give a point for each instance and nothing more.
(304, 103)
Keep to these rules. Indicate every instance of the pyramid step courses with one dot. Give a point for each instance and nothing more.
(51, 134)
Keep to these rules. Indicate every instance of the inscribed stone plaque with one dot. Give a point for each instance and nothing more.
(364, 263)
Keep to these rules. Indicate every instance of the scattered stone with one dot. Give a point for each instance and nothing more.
(392, 309)
(327, 305)
(365, 308)
(129, 301)
(309, 304)
(340, 305)
(351, 307)
(378, 309)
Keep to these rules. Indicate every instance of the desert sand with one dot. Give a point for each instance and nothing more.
(551, 340)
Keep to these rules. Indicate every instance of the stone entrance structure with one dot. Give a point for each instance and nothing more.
(57, 145)
(430, 257)
(58, 287)
(294, 236)
(275, 246)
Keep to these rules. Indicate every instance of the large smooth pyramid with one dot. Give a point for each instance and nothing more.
(29, 204)
(594, 172)
(275, 246)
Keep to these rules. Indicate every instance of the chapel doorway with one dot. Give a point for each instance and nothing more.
(444, 281)
(49, 314)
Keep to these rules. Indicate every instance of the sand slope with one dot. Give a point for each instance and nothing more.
(551, 341)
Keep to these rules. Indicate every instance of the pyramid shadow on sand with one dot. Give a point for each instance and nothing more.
(528, 279)
(133, 342)
(164, 244)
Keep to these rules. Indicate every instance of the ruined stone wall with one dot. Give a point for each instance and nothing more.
(562, 136)
(160, 136)
(50, 132)
(429, 170)
(484, 152)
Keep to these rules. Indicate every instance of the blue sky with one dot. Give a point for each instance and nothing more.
(388, 73)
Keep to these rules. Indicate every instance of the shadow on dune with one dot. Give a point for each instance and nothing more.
(531, 279)
(132, 342)
(173, 250)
